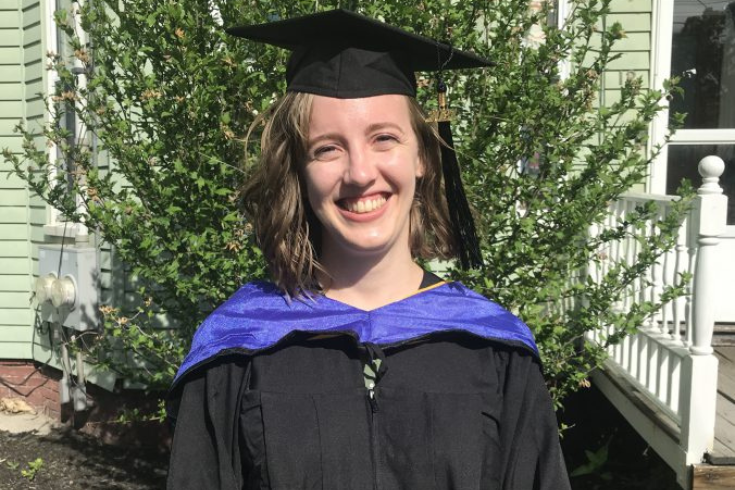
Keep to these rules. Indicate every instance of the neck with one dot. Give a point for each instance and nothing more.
(369, 282)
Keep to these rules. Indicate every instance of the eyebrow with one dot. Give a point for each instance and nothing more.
(321, 137)
(383, 125)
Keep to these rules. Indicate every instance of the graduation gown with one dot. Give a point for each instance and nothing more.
(273, 396)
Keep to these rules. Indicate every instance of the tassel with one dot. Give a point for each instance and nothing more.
(459, 210)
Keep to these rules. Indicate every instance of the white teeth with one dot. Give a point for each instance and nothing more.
(365, 206)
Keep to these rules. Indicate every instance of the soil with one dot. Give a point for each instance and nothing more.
(605, 452)
(72, 460)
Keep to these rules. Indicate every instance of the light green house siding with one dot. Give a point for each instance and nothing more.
(22, 216)
(636, 18)
(15, 247)
(35, 19)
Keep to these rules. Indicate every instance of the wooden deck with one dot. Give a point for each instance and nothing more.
(724, 450)
(719, 471)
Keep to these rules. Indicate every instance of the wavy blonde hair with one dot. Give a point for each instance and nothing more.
(274, 197)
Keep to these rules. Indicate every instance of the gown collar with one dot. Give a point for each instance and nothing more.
(258, 317)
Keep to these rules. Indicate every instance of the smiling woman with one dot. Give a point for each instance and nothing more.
(355, 368)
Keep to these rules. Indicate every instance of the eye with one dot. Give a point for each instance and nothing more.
(326, 152)
(385, 141)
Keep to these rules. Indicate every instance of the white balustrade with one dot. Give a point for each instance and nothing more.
(670, 358)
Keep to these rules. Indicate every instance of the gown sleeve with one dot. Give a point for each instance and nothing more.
(528, 428)
(204, 412)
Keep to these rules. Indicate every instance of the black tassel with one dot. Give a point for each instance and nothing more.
(460, 215)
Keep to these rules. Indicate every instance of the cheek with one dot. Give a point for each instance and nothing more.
(409, 174)
(312, 195)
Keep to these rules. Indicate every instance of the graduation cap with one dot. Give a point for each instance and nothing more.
(346, 55)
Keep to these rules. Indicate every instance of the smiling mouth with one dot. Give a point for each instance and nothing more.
(362, 206)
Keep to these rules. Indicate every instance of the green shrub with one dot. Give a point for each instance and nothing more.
(170, 97)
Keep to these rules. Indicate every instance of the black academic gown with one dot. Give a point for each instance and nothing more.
(451, 411)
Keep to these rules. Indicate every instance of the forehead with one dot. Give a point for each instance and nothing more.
(330, 111)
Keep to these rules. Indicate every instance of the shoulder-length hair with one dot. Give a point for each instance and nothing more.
(274, 197)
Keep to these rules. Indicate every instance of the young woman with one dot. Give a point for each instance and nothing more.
(355, 368)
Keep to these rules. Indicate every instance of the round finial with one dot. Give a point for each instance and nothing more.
(711, 166)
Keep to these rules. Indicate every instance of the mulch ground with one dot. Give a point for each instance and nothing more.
(605, 451)
(71, 460)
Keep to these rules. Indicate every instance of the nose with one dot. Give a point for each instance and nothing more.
(361, 168)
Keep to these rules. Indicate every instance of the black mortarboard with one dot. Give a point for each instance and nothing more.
(346, 55)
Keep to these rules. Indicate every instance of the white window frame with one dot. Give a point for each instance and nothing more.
(55, 224)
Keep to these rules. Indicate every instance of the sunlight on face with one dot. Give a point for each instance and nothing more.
(361, 171)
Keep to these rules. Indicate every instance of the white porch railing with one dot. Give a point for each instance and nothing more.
(664, 378)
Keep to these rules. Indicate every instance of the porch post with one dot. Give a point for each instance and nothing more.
(699, 390)
(711, 214)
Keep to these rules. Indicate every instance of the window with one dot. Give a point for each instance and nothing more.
(696, 42)
(703, 55)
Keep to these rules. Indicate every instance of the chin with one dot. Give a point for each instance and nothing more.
(363, 246)
(366, 247)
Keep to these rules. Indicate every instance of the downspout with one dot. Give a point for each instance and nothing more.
(80, 390)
